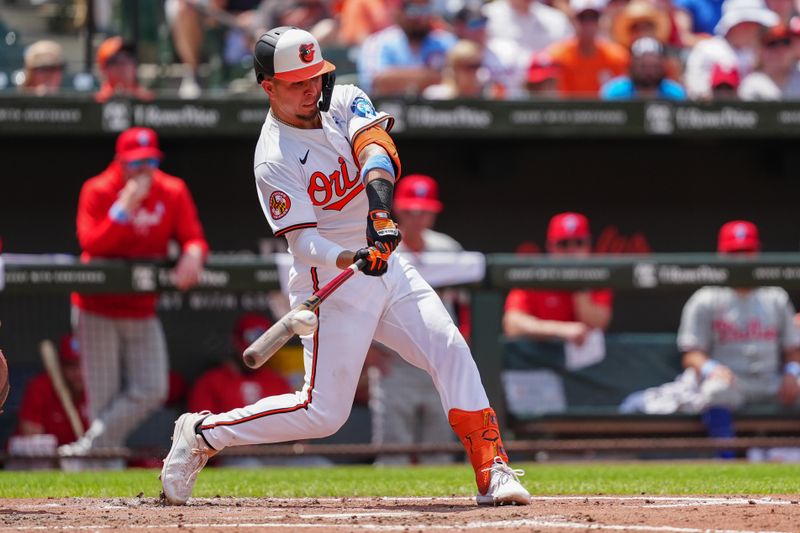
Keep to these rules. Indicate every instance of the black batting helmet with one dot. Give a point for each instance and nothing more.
(292, 54)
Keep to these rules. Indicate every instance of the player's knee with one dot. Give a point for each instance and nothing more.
(325, 425)
(151, 396)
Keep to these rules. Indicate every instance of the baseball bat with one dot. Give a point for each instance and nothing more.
(50, 359)
(279, 334)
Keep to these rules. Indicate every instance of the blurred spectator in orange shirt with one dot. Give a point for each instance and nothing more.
(232, 384)
(117, 63)
(587, 60)
(542, 80)
(564, 315)
(44, 68)
(361, 18)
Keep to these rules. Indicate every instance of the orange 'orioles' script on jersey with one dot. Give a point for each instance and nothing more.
(322, 188)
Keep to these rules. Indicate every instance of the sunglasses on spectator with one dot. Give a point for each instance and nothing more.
(564, 244)
(589, 15)
(778, 42)
(467, 66)
(642, 26)
(136, 164)
(49, 68)
(476, 24)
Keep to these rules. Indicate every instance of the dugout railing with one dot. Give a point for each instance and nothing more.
(31, 276)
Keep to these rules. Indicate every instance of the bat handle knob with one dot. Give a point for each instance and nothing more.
(250, 359)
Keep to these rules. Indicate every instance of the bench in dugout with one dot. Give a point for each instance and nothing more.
(545, 399)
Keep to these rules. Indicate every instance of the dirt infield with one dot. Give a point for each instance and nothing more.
(547, 514)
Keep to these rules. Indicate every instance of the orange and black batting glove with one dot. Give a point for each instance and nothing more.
(376, 259)
(381, 229)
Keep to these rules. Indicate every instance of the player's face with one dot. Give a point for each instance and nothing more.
(73, 376)
(414, 222)
(570, 247)
(295, 102)
(46, 80)
(140, 168)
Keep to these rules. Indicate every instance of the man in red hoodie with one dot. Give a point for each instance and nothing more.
(132, 210)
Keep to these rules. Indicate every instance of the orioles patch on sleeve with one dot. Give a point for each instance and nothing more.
(279, 205)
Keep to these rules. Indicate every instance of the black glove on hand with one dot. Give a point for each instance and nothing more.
(382, 229)
(377, 259)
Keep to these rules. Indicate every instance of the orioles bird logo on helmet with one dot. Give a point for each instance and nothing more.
(307, 52)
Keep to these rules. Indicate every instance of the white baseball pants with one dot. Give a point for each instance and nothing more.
(399, 310)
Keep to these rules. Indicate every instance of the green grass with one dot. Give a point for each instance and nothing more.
(547, 479)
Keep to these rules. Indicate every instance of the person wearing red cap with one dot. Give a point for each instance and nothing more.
(724, 82)
(117, 63)
(132, 210)
(542, 77)
(737, 339)
(740, 346)
(233, 384)
(405, 406)
(41, 411)
(561, 315)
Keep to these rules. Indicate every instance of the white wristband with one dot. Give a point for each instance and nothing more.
(708, 367)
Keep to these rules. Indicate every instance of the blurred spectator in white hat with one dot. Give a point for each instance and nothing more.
(525, 27)
(44, 68)
(735, 44)
(776, 77)
(587, 60)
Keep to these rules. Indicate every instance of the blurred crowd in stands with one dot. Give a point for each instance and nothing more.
(445, 49)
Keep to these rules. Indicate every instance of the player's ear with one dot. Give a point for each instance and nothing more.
(267, 85)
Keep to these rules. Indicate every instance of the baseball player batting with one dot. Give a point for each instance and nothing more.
(325, 168)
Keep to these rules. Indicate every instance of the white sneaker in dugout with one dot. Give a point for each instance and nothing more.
(187, 456)
(83, 446)
(504, 486)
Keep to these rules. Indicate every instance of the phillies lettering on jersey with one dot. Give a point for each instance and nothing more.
(322, 187)
(754, 330)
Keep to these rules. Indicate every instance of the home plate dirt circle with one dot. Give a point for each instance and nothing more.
(730, 514)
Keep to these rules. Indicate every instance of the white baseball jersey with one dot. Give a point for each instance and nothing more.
(309, 179)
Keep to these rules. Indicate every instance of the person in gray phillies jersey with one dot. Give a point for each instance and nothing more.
(742, 342)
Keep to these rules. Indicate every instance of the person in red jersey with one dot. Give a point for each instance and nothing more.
(233, 384)
(41, 411)
(132, 210)
(562, 315)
